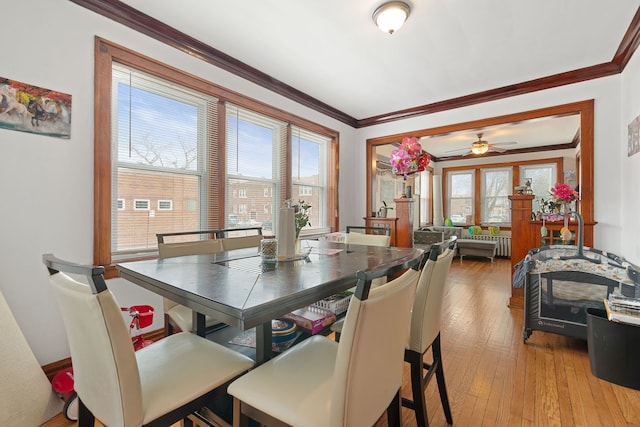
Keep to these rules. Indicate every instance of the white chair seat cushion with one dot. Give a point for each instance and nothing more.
(183, 317)
(294, 387)
(181, 367)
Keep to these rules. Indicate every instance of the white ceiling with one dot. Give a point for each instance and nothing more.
(543, 132)
(332, 51)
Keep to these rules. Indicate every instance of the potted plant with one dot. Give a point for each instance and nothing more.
(382, 212)
(302, 210)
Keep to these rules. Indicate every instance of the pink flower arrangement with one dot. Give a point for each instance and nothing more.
(563, 193)
(409, 157)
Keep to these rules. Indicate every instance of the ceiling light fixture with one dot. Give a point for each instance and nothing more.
(391, 16)
(479, 147)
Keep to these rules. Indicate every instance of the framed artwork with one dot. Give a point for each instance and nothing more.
(28, 108)
(634, 138)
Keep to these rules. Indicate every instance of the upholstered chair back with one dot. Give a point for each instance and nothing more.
(231, 243)
(104, 365)
(367, 239)
(427, 305)
(208, 246)
(369, 362)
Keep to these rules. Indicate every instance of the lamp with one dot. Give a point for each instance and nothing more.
(390, 16)
(479, 147)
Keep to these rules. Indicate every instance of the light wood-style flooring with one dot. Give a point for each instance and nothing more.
(494, 379)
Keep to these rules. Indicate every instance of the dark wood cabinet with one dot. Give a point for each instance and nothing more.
(376, 221)
(401, 226)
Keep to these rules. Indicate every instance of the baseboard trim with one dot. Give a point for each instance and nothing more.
(53, 368)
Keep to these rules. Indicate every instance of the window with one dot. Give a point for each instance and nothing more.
(495, 191)
(141, 205)
(542, 177)
(165, 205)
(254, 151)
(423, 185)
(481, 194)
(304, 190)
(310, 152)
(177, 164)
(159, 142)
(461, 196)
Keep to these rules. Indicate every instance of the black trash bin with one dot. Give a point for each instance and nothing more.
(614, 349)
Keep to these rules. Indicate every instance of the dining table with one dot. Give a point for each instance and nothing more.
(241, 289)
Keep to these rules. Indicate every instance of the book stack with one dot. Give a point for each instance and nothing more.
(312, 319)
(623, 309)
(337, 303)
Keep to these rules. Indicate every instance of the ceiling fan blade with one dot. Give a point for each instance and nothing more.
(459, 150)
(497, 149)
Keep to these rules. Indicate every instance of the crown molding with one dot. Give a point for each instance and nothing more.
(138, 21)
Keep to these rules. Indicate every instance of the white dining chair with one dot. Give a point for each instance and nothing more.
(320, 382)
(157, 385)
(356, 236)
(372, 236)
(177, 316)
(424, 331)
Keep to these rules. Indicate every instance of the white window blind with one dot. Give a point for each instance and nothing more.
(161, 150)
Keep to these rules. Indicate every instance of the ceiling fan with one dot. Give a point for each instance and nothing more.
(480, 147)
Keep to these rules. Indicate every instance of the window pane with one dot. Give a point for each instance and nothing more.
(496, 188)
(252, 143)
(309, 175)
(542, 177)
(461, 197)
(134, 229)
(159, 140)
(248, 204)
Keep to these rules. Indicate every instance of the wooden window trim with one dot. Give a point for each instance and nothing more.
(515, 176)
(106, 53)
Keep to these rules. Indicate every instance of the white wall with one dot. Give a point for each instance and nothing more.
(47, 183)
(629, 178)
(48, 207)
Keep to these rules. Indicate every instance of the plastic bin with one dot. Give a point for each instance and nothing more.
(614, 349)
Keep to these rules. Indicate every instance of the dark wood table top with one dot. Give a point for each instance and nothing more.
(241, 290)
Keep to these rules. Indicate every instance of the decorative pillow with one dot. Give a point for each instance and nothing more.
(494, 230)
(475, 229)
(448, 222)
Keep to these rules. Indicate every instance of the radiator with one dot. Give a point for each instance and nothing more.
(504, 243)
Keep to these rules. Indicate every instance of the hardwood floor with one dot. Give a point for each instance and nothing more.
(494, 379)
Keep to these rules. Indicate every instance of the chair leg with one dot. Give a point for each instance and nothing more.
(394, 409)
(85, 417)
(168, 326)
(442, 388)
(417, 389)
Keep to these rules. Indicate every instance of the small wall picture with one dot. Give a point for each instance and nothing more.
(634, 137)
(28, 108)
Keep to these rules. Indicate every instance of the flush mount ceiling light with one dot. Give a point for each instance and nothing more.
(391, 16)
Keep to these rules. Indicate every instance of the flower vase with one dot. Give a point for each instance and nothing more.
(298, 246)
(564, 208)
